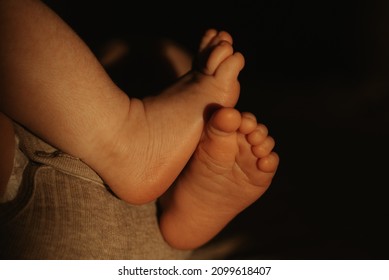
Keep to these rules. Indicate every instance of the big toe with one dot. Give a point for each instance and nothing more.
(225, 121)
(219, 141)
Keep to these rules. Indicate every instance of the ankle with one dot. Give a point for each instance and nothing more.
(103, 149)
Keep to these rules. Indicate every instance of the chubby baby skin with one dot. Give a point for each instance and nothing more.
(54, 86)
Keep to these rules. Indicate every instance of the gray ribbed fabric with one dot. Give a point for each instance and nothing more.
(64, 211)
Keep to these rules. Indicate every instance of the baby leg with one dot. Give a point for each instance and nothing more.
(52, 84)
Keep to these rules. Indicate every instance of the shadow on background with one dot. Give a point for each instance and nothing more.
(317, 75)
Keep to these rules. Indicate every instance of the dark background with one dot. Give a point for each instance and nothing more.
(317, 75)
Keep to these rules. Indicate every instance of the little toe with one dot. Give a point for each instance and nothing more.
(264, 148)
(268, 164)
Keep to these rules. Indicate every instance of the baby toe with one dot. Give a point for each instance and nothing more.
(269, 164)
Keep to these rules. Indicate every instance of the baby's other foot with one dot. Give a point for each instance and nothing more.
(231, 168)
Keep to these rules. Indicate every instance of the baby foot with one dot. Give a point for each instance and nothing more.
(161, 132)
(231, 168)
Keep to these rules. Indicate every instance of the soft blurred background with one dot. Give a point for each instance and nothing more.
(317, 75)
